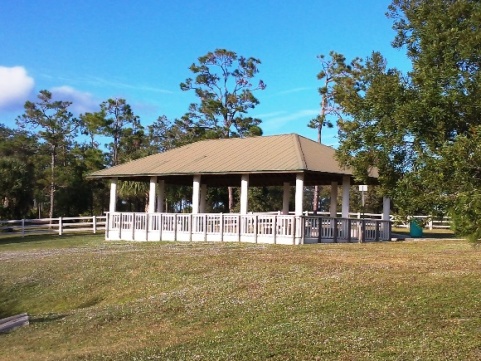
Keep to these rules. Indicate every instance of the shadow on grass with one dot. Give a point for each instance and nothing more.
(47, 318)
(431, 234)
(12, 238)
(50, 240)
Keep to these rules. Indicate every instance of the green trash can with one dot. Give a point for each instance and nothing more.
(415, 229)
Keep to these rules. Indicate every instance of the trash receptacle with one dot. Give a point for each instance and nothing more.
(415, 229)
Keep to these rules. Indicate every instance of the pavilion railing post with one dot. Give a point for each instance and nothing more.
(133, 226)
(205, 226)
(362, 236)
(294, 229)
(274, 229)
(319, 230)
(377, 231)
(121, 223)
(389, 227)
(161, 226)
(221, 227)
(334, 229)
(349, 225)
(147, 226)
(239, 219)
(175, 227)
(107, 225)
(302, 229)
(256, 227)
(191, 217)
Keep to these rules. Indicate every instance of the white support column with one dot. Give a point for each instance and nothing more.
(299, 194)
(113, 195)
(386, 208)
(160, 196)
(346, 185)
(244, 194)
(285, 198)
(333, 206)
(152, 189)
(195, 194)
(203, 197)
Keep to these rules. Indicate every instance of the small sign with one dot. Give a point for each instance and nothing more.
(363, 188)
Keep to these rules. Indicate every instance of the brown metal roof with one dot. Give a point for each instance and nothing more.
(222, 161)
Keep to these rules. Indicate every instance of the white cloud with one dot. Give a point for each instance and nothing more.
(82, 102)
(15, 87)
(294, 90)
(280, 120)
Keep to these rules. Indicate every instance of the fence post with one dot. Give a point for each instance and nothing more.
(60, 226)
(94, 221)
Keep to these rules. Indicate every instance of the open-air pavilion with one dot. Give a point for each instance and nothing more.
(283, 160)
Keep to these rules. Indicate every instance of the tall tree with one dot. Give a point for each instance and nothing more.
(17, 172)
(56, 127)
(117, 121)
(223, 84)
(333, 70)
(408, 125)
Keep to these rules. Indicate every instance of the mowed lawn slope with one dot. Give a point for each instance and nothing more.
(94, 300)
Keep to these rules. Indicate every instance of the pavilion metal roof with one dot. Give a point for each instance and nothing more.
(270, 160)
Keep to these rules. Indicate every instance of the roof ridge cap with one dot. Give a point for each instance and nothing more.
(300, 154)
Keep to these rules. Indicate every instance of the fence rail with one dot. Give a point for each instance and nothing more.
(59, 226)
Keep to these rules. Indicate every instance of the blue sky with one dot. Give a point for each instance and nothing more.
(89, 51)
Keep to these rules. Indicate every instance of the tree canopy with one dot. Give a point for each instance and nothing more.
(413, 126)
(223, 84)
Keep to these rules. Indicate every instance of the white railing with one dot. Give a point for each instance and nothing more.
(428, 222)
(323, 229)
(58, 226)
(253, 228)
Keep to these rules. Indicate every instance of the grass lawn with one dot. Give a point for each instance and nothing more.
(94, 300)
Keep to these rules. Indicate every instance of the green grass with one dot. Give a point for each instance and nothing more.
(94, 300)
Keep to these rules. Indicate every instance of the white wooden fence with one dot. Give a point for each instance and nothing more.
(58, 226)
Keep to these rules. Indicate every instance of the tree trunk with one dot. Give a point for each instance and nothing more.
(52, 182)
(315, 199)
(317, 189)
(231, 199)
